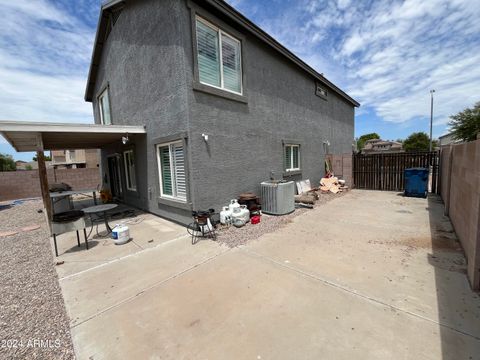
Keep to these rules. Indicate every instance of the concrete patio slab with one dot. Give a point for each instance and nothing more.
(99, 288)
(370, 275)
(238, 306)
(405, 255)
(146, 231)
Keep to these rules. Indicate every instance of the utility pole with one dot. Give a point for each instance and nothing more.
(431, 117)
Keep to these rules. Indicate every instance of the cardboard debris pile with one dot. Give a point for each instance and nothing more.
(332, 184)
(307, 196)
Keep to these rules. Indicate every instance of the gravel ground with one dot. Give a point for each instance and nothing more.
(33, 320)
(232, 236)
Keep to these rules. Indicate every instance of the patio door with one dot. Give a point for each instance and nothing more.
(114, 174)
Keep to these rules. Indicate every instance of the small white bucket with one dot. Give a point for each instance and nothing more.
(120, 234)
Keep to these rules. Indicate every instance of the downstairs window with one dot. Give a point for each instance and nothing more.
(171, 165)
(292, 157)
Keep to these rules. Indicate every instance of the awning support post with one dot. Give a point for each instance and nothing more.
(42, 172)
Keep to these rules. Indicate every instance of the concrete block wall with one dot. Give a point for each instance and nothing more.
(26, 184)
(460, 191)
(342, 167)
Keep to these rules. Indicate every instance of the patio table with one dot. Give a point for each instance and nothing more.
(101, 212)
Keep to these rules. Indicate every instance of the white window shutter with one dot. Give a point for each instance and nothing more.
(208, 54)
(231, 61)
(179, 168)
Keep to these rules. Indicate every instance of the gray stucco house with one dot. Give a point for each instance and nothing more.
(223, 103)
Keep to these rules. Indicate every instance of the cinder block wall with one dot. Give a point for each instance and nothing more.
(342, 167)
(26, 184)
(460, 190)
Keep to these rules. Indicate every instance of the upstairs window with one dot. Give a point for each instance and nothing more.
(219, 58)
(292, 157)
(104, 108)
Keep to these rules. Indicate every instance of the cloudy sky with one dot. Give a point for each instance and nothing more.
(386, 54)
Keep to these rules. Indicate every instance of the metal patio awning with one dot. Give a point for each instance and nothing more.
(36, 136)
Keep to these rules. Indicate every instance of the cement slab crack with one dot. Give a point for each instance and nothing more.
(354, 292)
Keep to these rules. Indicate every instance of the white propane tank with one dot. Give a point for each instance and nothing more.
(242, 213)
(234, 206)
(120, 234)
(225, 216)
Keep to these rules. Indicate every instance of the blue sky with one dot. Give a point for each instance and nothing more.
(386, 54)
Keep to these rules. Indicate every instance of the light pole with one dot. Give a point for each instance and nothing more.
(431, 117)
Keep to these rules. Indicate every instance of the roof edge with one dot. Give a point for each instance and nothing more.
(234, 15)
(97, 48)
(40, 127)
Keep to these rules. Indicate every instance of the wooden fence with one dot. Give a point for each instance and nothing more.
(386, 171)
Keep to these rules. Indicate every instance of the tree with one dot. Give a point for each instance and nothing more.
(466, 124)
(47, 158)
(363, 139)
(418, 141)
(7, 163)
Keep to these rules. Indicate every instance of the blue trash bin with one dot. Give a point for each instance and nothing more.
(416, 182)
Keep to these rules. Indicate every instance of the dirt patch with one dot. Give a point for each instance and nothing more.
(435, 242)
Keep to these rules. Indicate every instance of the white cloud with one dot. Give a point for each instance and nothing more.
(394, 53)
(44, 58)
(388, 54)
(343, 4)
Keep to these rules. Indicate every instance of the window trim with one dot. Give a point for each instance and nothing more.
(221, 33)
(159, 163)
(102, 94)
(291, 170)
(127, 180)
(197, 86)
(321, 91)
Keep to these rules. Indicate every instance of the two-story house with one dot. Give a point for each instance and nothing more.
(79, 158)
(225, 106)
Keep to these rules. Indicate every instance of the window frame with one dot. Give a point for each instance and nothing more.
(160, 169)
(292, 169)
(221, 33)
(103, 93)
(321, 91)
(128, 171)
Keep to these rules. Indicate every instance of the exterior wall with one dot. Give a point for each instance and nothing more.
(143, 66)
(26, 184)
(460, 191)
(89, 157)
(147, 65)
(245, 138)
(58, 156)
(92, 158)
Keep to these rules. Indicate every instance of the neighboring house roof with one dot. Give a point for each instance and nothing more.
(379, 145)
(448, 139)
(226, 10)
